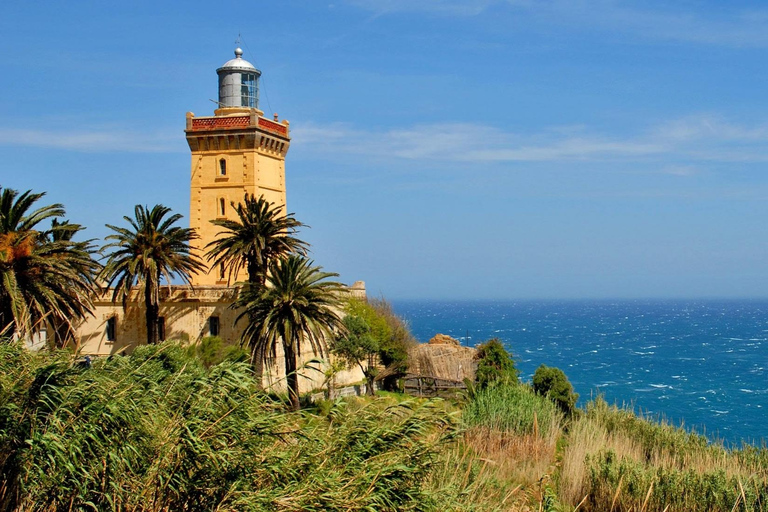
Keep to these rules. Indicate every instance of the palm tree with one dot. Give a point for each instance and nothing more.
(297, 306)
(150, 250)
(63, 331)
(260, 235)
(45, 276)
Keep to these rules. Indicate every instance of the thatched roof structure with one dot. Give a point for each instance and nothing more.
(443, 358)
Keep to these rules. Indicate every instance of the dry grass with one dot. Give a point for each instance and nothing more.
(624, 462)
(523, 459)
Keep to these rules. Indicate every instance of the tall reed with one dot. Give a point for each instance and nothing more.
(158, 431)
(619, 460)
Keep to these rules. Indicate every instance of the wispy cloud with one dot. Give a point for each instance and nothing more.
(448, 7)
(91, 141)
(725, 25)
(702, 138)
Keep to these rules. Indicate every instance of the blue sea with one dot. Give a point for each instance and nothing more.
(697, 363)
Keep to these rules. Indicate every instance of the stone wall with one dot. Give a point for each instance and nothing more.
(187, 313)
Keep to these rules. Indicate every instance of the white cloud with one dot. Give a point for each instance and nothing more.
(692, 139)
(725, 26)
(92, 141)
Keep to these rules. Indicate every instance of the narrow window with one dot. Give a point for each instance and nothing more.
(221, 272)
(223, 167)
(112, 328)
(161, 328)
(222, 207)
(213, 326)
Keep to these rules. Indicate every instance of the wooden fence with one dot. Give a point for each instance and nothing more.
(422, 386)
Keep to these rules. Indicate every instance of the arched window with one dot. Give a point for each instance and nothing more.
(222, 167)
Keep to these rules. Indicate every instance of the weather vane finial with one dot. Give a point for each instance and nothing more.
(237, 41)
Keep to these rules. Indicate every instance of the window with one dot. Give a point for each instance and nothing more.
(213, 326)
(222, 207)
(223, 167)
(249, 90)
(161, 328)
(221, 272)
(112, 328)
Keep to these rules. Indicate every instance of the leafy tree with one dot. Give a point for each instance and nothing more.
(553, 383)
(393, 348)
(298, 305)
(150, 250)
(495, 365)
(261, 234)
(357, 345)
(45, 276)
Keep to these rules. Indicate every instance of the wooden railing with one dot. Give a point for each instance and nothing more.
(421, 386)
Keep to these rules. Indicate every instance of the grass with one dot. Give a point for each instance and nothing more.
(159, 431)
(619, 460)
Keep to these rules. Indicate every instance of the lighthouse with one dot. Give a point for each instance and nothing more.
(236, 151)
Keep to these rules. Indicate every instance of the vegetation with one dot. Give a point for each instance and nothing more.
(156, 431)
(213, 350)
(358, 347)
(374, 335)
(617, 459)
(260, 236)
(552, 383)
(151, 249)
(45, 276)
(298, 305)
(393, 347)
(495, 365)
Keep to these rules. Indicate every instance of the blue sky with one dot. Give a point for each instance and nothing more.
(441, 149)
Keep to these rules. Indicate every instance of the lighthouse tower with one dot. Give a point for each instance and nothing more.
(235, 152)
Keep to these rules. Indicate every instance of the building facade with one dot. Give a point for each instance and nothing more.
(236, 151)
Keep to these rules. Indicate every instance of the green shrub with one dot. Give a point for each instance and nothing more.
(512, 408)
(212, 350)
(379, 332)
(625, 484)
(494, 365)
(552, 383)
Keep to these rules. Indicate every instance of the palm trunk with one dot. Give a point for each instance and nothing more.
(257, 279)
(258, 364)
(152, 313)
(292, 376)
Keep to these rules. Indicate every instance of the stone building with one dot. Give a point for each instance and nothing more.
(236, 151)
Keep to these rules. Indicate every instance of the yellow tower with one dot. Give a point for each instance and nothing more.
(236, 152)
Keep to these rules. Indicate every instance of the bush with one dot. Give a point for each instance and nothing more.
(511, 408)
(212, 350)
(376, 328)
(495, 365)
(552, 383)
